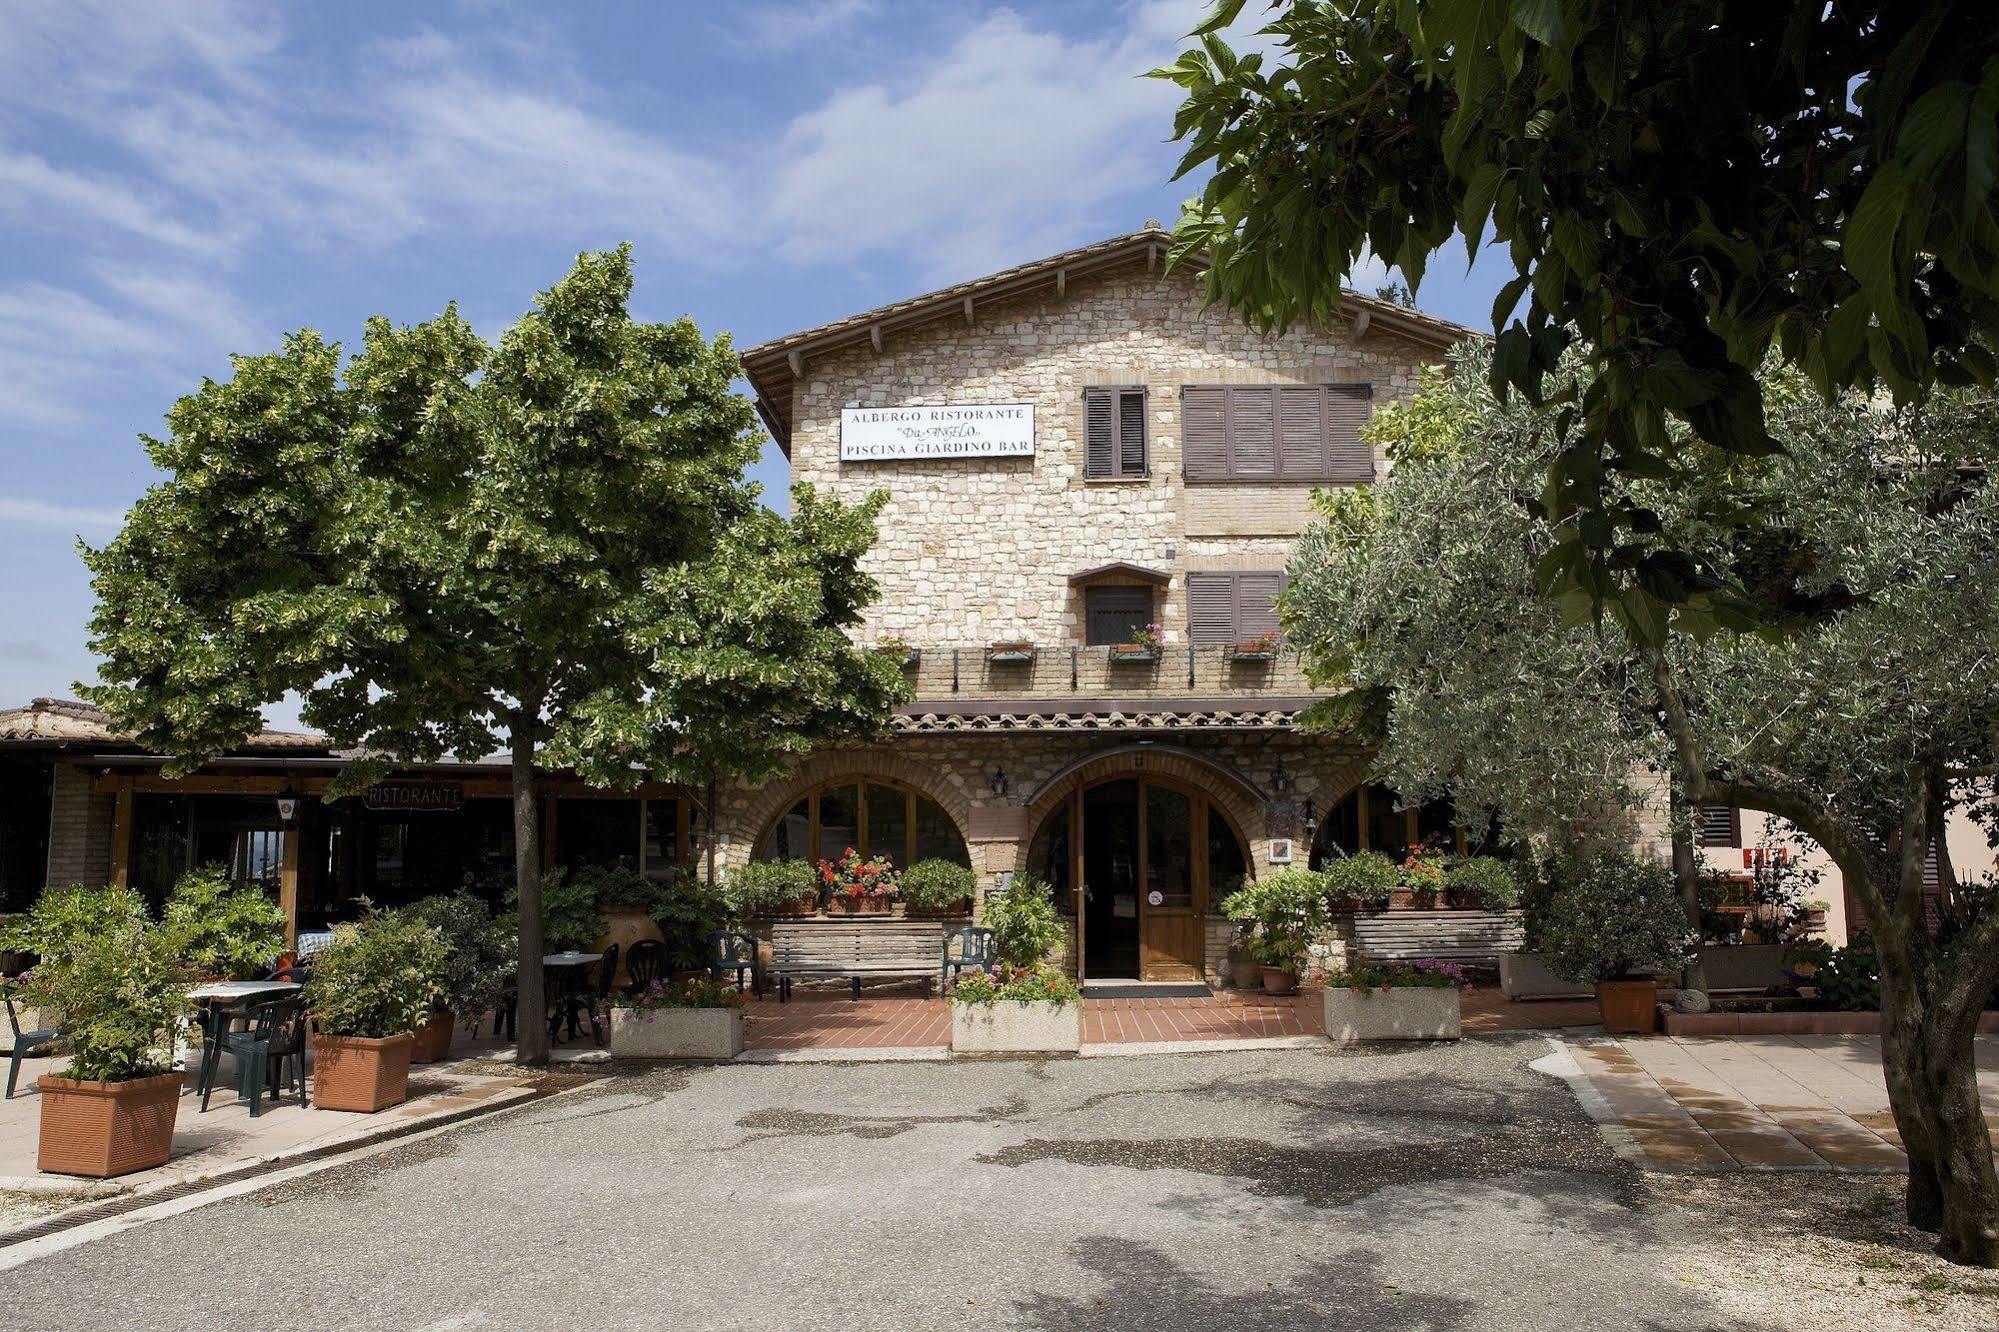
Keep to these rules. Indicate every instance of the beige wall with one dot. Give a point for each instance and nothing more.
(977, 550)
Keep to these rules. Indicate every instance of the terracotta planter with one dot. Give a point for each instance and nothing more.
(1276, 980)
(624, 926)
(1629, 1007)
(360, 1073)
(957, 911)
(804, 906)
(1404, 899)
(842, 904)
(102, 1129)
(878, 904)
(433, 1038)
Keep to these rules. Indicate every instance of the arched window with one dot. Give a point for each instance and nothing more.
(874, 815)
(1372, 818)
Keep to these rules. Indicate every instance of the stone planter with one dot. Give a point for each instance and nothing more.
(1017, 1026)
(1402, 1013)
(433, 1039)
(360, 1073)
(102, 1129)
(1753, 967)
(1526, 976)
(677, 1033)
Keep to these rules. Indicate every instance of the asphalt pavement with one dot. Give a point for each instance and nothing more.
(1447, 1187)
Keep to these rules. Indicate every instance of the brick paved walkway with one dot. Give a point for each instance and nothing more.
(1758, 1102)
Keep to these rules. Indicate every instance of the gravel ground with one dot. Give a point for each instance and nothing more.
(1436, 1188)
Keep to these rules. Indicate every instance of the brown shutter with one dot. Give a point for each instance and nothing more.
(1099, 451)
(1348, 456)
(1131, 432)
(1204, 445)
(1256, 603)
(1717, 825)
(1211, 607)
(1252, 433)
(1301, 432)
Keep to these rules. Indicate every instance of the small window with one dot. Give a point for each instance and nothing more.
(1115, 420)
(1114, 615)
(1717, 825)
(1232, 607)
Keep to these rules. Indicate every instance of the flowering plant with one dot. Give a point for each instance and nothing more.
(1422, 870)
(1152, 637)
(856, 877)
(1260, 644)
(1422, 973)
(1019, 984)
(701, 992)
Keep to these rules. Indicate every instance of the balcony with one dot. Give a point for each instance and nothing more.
(1091, 679)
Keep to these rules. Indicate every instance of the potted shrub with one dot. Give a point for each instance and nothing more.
(223, 930)
(772, 888)
(1011, 1009)
(123, 995)
(61, 919)
(371, 988)
(937, 887)
(1027, 929)
(857, 887)
(684, 912)
(692, 1019)
(1363, 881)
(1419, 879)
(1482, 882)
(477, 968)
(624, 907)
(1280, 916)
(1394, 1001)
(569, 921)
(1608, 918)
(1144, 645)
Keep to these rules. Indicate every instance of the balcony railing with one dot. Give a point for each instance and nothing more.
(1064, 670)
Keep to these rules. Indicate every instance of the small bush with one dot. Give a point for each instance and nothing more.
(1610, 914)
(938, 885)
(1029, 985)
(1486, 880)
(123, 995)
(1427, 973)
(220, 928)
(64, 919)
(569, 920)
(1025, 924)
(687, 909)
(480, 963)
(701, 992)
(1280, 915)
(1848, 978)
(381, 977)
(764, 887)
(1367, 878)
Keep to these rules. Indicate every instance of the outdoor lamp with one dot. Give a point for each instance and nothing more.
(288, 807)
(1280, 780)
(1311, 820)
(999, 780)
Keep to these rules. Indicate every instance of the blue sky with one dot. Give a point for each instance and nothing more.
(183, 179)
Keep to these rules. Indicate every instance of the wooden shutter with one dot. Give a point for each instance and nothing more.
(1348, 457)
(1115, 424)
(1252, 434)
(1100, 453)
(1717, 825)
(1131, 432)
(1211, 607)
(1256, 603)
(1301, 431)
(1204, 438)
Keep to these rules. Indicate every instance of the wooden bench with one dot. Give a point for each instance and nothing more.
(854, 950)
(1451, 936)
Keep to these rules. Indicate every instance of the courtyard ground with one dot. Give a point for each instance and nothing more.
(1423, 1187)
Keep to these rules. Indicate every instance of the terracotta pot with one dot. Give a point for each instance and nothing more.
(805, 906)
(361, 1073)
(1276, 980)
(624, 926)
(1405, 899)
(843, 904)
(433, 1038)
(877, 904)
(1629, 1007)
(102, 1129)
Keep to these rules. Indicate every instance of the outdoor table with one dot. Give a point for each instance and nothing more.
(567, 962)
(223, 1000)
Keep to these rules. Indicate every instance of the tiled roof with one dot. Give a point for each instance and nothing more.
(926, 723)
(64, 720)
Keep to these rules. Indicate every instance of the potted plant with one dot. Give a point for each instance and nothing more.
(123, 996)
(1419, 880)
(897, 650)
(1027, 929)
(685, 911)
(625, 906)
(1008, 1009)
(1280, 916)
(1143, 645)
(223, 930)
(1013, 652)
(1609, 917)
(569, 920)
(692, 1019)
(935, 887)
(371, 988)
(60, 919)
(772, 888)
(857, 887)
(476, 970)
(1363, 881)
(1263, 647)
(1482, 882)
(1394, 1001)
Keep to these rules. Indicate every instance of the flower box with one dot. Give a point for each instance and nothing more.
(677, 1033)
(102, 1129)
(1017, 1026)
(1133, 653)
(1401, 1013)
(1254, 650)
(1010, 654)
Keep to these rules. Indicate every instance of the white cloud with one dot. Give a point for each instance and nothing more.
(33, 191)
(774, 26)
(42, 514)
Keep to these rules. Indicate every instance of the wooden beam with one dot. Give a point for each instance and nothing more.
(875, 337)
(796, 362)
(968, 312)
(1062, 282)
(1361, 322)
(288, 877)
(121, 835)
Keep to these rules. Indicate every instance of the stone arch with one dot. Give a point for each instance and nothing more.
(1236, 796)
(856, 765)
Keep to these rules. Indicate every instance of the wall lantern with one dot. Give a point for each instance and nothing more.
(288, 807)
(1311, 822)
(1280, 780)
(999, 780)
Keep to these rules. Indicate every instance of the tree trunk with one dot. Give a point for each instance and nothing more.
(708, 818)
(531, 1006)
(1687, 877)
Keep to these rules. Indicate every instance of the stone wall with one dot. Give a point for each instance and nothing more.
(979, 550)
(79, 830)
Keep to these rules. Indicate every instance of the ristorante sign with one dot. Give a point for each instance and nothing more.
(973, 430)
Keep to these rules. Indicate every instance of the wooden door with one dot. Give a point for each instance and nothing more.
(1172, 900)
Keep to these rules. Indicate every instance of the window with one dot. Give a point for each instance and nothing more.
(1717, 825)
(1232, 607)
(1115, 422)
(875, 817)
(1308, 432)
(1114, 614)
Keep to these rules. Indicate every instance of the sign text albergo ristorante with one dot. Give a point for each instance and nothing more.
(970, 430)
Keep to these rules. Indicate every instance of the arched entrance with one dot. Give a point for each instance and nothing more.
(1135, 861)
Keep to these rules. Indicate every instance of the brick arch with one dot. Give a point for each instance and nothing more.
(831, 768)
(1236, 796)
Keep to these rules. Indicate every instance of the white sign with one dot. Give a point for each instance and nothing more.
(1280, 850)
(968, 430)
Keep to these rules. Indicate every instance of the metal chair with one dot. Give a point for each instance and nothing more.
(644, 964)
(969, 946)
(24, 1041)
(733, 952)
(274, 1030)
(577, 995)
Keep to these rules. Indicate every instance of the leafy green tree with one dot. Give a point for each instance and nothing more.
(545, 547)
(1865, 712)
(1682, 187)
